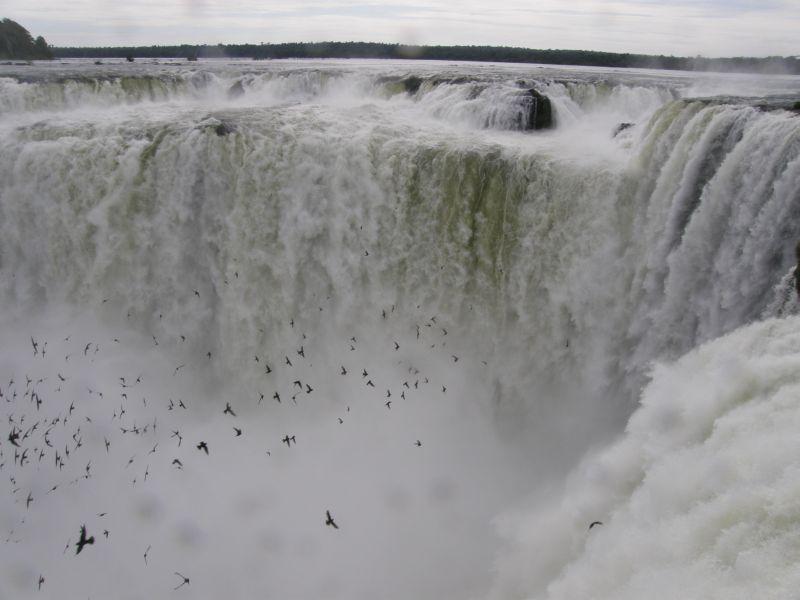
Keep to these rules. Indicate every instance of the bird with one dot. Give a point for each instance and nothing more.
(238, 431)
(418, 443)
(344, 371)
(329, 520)
(203, 446)
(593, 523)
(145, 554)
(41, 581)
(185, 580)
(228, 410)
(177, 463)
(83, 540)
(287, 439)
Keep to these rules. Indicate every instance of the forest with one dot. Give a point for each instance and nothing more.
(16, 43)
(589, 58)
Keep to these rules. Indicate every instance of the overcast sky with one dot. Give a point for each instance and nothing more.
(679, 27)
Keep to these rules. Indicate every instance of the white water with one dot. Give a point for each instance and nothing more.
(560, 263)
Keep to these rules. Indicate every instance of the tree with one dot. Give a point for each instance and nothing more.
(16, 43)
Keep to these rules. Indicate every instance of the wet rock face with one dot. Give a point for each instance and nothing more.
(412, 84)
(223, 129)
(620, 128)
(540, 115)
(236, 90)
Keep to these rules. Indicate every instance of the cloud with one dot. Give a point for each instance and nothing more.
(709, 27)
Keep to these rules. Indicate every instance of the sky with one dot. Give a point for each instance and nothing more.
(676, 27)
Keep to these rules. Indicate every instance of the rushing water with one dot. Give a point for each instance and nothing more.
(507, 289)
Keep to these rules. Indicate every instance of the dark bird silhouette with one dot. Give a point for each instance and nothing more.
(228, 410)
(287, 439)
(184, 582)
(203, 446)
(396, 346)
(288, 362)
(41, 581)
(277, 397)
(145, 554)
(83, 540)
(309, 389)
(13, 437)
(593, 523)
(238, 431)
(329, 520)
(455, 358)
(344, 371)
(301, 352)
(418, 443)
(369, 383)
(267, 369)
(177, 463)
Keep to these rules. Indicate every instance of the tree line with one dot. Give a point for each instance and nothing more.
(16, 43)
(589, 58)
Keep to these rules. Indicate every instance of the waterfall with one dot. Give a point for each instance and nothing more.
(216, 215)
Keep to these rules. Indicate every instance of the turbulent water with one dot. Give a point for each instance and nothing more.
(455, 313)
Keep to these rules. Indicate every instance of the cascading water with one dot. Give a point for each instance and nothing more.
(514, 286)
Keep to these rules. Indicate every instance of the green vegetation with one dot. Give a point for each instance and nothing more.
(774, 64)
(16, 43)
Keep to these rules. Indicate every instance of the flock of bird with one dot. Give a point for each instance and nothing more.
(44, 428)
